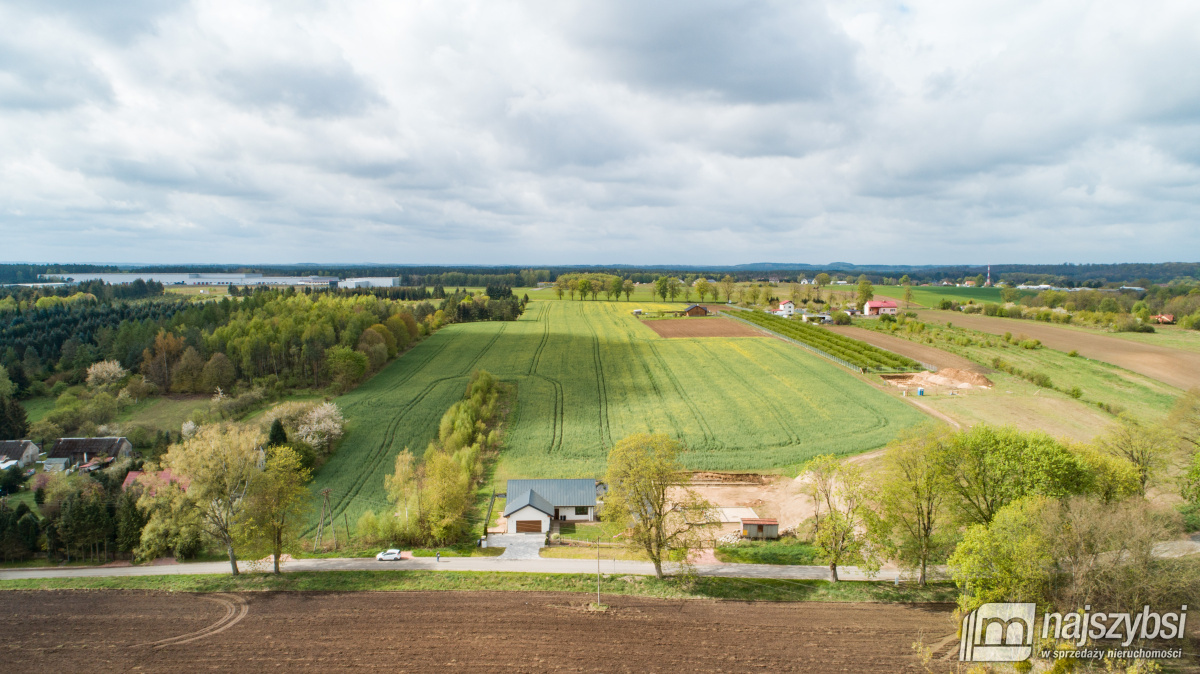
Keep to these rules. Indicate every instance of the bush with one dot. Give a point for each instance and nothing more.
(1072, 353)
(841, 318)
(1075, 392)
(1030, 344)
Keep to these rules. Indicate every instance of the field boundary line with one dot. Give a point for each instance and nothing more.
(846, 364)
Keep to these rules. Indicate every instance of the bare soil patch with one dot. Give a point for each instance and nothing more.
(950, 378)
(701, 327)
(425, 631)
(1175, 367)
(922, 353)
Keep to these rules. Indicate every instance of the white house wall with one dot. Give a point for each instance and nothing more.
(528, 513)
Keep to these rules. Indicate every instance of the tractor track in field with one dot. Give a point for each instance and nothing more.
(556, 430)
(771, 405)
(601, 387)
(377, 455)
(236, 608)
(544, 319)
(710, 438)
(487, 347)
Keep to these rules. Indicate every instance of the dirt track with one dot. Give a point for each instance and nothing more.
(918, 352)
(1180, 369)
(702, 327)
(421, 631)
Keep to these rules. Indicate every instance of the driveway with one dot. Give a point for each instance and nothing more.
(517, 546)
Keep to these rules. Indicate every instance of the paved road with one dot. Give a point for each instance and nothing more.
(457, 564)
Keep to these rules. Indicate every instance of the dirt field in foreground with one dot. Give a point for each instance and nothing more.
(421, 631)
(1170, 366)
(702, 327)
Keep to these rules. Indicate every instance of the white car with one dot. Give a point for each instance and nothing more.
(392, 555)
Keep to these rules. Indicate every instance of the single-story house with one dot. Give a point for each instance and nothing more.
(531, 504)
(875, 308)
(23, 452)
(56, 465)
(787, 309)
(695, 310)
(816, 318)
(756, 527)
(82, 450)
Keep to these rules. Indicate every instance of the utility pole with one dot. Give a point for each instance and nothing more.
(346, 521)
(321, 522)
(597, 572)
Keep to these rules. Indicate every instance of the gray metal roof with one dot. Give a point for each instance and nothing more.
(560, 493)
(528, 498)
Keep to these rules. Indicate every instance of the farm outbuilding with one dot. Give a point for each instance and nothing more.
(695, 310)
(758, 527)
(23, 452)
(81, 450)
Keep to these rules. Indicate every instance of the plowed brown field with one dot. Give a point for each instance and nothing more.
(702, 327)
(92, 631)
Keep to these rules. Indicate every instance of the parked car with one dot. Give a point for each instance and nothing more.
(392, 555)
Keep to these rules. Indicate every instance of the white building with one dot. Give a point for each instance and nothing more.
(370, 282)
(531, 504)
(787, 309)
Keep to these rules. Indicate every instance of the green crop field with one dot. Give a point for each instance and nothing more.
(588, 374)
(929, 296)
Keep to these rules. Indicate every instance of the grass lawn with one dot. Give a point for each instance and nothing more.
(24, 496)
(164, 414)
(37, 408)
(588, 531)
(580, 552)
(782, 551)
(644, 586)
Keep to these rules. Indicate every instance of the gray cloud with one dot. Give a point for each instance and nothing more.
(511, 132)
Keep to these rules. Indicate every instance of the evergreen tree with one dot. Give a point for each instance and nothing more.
(278, 436)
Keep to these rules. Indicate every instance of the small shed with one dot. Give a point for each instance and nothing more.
(760, 528)
(56, 465)
(695, 310)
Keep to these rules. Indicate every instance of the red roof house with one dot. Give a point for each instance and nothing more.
(882, 307)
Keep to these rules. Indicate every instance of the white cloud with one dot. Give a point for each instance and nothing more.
(505, 132)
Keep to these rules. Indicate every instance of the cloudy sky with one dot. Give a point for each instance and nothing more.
(699, 132)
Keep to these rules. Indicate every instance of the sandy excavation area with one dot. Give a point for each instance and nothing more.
(103, 631)
(948, 378)
(777, 496)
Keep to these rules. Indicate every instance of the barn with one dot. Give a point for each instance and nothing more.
(694, 310)
(81, 450)
(531, 504)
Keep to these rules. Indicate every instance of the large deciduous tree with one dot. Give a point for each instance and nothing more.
(727, 285)
(914, 498)
(220, 463)
(1146, 447)
(849, 530)
(662, 519)
(275, 504)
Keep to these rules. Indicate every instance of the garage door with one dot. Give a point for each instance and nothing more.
(529, 526)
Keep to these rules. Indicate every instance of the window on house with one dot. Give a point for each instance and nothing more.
(581, 510)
